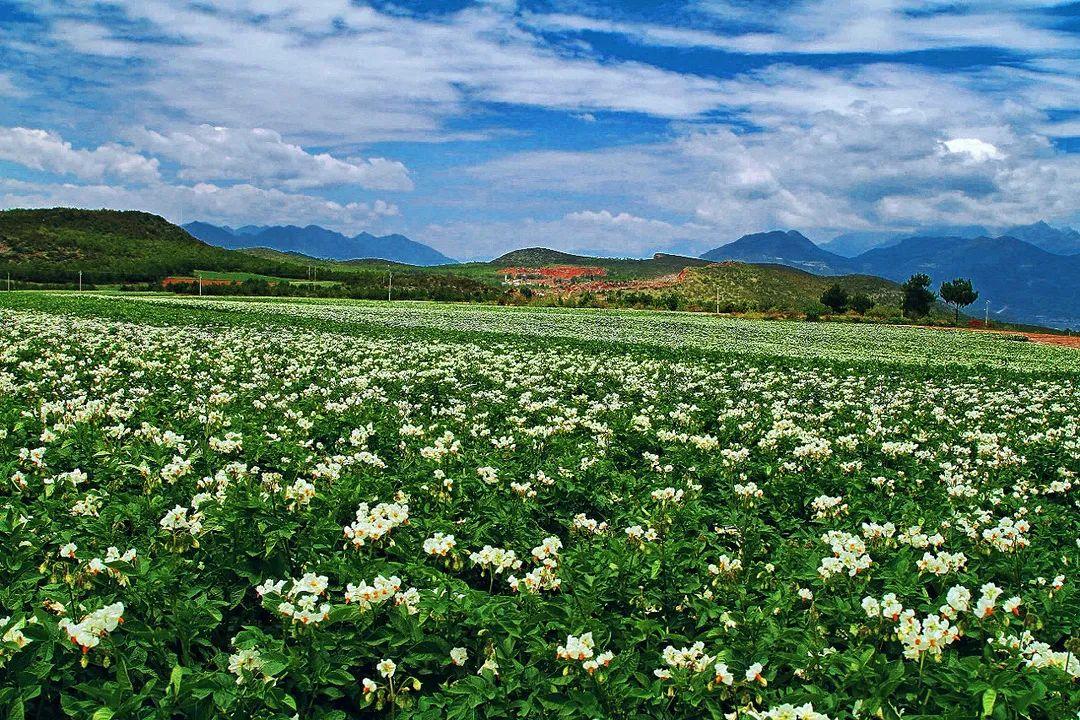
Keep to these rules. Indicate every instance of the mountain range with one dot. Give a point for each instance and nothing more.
(1063, 241)
(1015, 273)
(1019, 277)
(319, 242)
(1060, 241)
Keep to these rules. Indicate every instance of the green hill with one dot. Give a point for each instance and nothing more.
(295, 258)
(617, 268)
(538, 256)
(697, 284)
(743, 286)
(111, 246)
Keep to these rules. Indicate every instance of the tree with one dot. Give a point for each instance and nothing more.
(835, 298)
(861, 303)
(958, 293)
(918, 297)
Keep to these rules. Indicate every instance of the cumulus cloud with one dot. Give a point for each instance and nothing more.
(974, 148)
(832, 143)
(46, 151)
(259, 155)
(880, 150)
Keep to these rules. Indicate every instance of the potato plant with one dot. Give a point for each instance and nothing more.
(326, 510)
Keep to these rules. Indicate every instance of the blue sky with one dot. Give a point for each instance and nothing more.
(621, 128)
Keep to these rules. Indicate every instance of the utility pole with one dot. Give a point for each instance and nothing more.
(390, 287)
(199, 275)
(717, 301)
(986, 320)
(80, 281)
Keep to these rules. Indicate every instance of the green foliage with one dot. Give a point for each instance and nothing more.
(861, 303)
(742, 287)
(53, 246)
(918, 298)
(958, 293)
(111, 246)
(687, 467)
(835, 298)
(813, 311)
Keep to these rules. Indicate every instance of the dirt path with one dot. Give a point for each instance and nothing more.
(1069, 341)
(1072, 341)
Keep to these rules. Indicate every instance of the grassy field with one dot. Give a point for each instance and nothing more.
(334, 509)
(331, 265)
(241, 276)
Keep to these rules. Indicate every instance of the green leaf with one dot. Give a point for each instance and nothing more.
(1024, 701)
(339, 677)
(988, 699)
(273, 666)
(123, 679)
(103, 714)
(175, 677)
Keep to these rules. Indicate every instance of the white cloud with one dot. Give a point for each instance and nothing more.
(43, 150)
(974, 148)
(620, 220)
(858, 145)
(8, 87)
(1063, 128)
(837, 26)
(90, 37)
(586, 231)
(259, 155)
(878, 147)
(335, 70)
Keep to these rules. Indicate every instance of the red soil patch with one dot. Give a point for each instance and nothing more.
(554, 272)
(1069, 341)
(559, 275)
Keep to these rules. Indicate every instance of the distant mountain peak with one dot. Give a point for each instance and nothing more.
(319, 242)
(781, 247)
(1041, 234)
